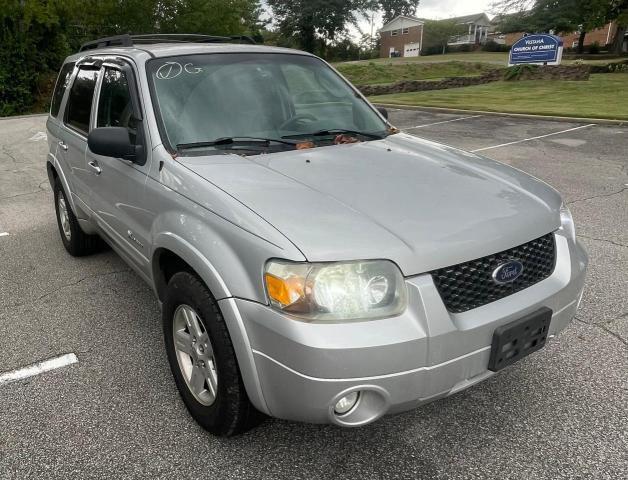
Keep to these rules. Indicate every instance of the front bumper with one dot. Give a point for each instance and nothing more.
(301, 369)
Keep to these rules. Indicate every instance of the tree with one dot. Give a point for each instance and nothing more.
(215, 17)
(439, 32)
(36, 35)
(572, 15)
(97, 18)
(392, 8)
(32, 44)
(619, 13)
(312, 20)
(559, 15)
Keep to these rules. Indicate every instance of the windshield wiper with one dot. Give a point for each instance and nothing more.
(335, 131)
(234, 141)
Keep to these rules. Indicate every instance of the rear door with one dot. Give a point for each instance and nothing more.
(73, 134)
(117, 186)
(53, 125)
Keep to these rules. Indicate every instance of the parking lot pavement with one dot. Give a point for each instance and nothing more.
(560, 413)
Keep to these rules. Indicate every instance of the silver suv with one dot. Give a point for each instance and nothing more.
(312, 262)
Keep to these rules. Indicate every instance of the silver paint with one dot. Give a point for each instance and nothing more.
(420, 204)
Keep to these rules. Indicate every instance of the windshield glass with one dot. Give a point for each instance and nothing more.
(202, 98)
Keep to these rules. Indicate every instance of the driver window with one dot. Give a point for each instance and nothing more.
(114, 105)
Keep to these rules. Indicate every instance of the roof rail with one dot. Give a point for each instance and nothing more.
(152, 38)
(116, 41)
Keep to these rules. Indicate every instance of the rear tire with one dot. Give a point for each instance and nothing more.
(210, 384)
(75, 240)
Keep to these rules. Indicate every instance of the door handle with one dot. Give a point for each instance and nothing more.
(94, 166)
(63, 145)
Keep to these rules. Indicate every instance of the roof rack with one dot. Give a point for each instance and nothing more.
(127, 40)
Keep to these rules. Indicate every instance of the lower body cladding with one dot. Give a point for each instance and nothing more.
(351, 374)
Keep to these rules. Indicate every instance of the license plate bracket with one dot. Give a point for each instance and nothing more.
(518, 339)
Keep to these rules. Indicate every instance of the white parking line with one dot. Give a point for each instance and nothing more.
(38, 137)
(444, 121)
(533, 138)
(4, 234)
(37, 368)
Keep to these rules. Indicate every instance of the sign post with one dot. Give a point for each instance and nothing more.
(539, 49)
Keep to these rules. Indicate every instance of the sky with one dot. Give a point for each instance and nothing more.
(439, 9)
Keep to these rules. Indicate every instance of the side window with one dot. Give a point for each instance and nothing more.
(114, 104)
(62, 83)
(80, 100)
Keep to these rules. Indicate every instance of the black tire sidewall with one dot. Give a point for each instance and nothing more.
(186, 289)
(80, 243)
(58, 192)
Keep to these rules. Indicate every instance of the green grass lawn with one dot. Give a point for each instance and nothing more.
(373, 73)
(495, 58)
(377, 73)
(603, 96)
(482, 57)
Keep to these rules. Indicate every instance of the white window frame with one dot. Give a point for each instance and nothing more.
(405, 30)
(394, 33)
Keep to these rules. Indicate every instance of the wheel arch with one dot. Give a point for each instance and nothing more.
(55, 172)
(173, 255)
(52, 173)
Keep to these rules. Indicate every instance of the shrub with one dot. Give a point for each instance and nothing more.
(493, 46)
(610, 67)
(432, 50)
(517, 71)
(465, 47)
(594, 48)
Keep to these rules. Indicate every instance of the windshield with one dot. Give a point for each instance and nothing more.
(202, 98)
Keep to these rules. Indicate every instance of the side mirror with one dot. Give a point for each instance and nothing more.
(383, 112)
(112, 142)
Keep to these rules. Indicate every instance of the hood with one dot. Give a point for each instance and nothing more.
(421, 204)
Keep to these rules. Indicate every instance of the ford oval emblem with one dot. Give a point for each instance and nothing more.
(507, 272)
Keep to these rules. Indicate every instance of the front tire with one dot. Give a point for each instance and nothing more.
(202, 359)
(75, 240)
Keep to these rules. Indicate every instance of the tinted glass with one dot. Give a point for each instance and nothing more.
(80, 100)
(62, 83)
(205, 97)
(114, 104)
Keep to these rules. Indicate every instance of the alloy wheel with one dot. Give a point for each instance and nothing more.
(195, 355)
(64, 217)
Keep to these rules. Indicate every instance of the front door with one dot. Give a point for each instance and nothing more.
(117, 185)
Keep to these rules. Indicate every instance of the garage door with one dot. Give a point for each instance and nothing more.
(411, 49)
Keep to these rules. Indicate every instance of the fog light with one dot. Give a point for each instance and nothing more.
(346, 403)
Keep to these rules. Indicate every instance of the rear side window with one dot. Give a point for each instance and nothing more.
(80, 100)
(62, 83)
(115, 108)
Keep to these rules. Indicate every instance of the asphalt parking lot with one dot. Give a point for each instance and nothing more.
(560, 413)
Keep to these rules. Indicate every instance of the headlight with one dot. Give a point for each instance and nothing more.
(336, 291)
(566, 223)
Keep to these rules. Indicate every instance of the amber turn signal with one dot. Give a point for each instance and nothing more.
(284, 291)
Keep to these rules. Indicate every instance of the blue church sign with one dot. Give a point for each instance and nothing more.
(539, 49)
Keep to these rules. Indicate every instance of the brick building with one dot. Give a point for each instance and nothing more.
(603, 36)
(401, 37)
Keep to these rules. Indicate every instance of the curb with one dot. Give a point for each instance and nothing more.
(550, 118)
(30, 115)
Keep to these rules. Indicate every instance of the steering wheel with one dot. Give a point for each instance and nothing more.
(296, 119)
